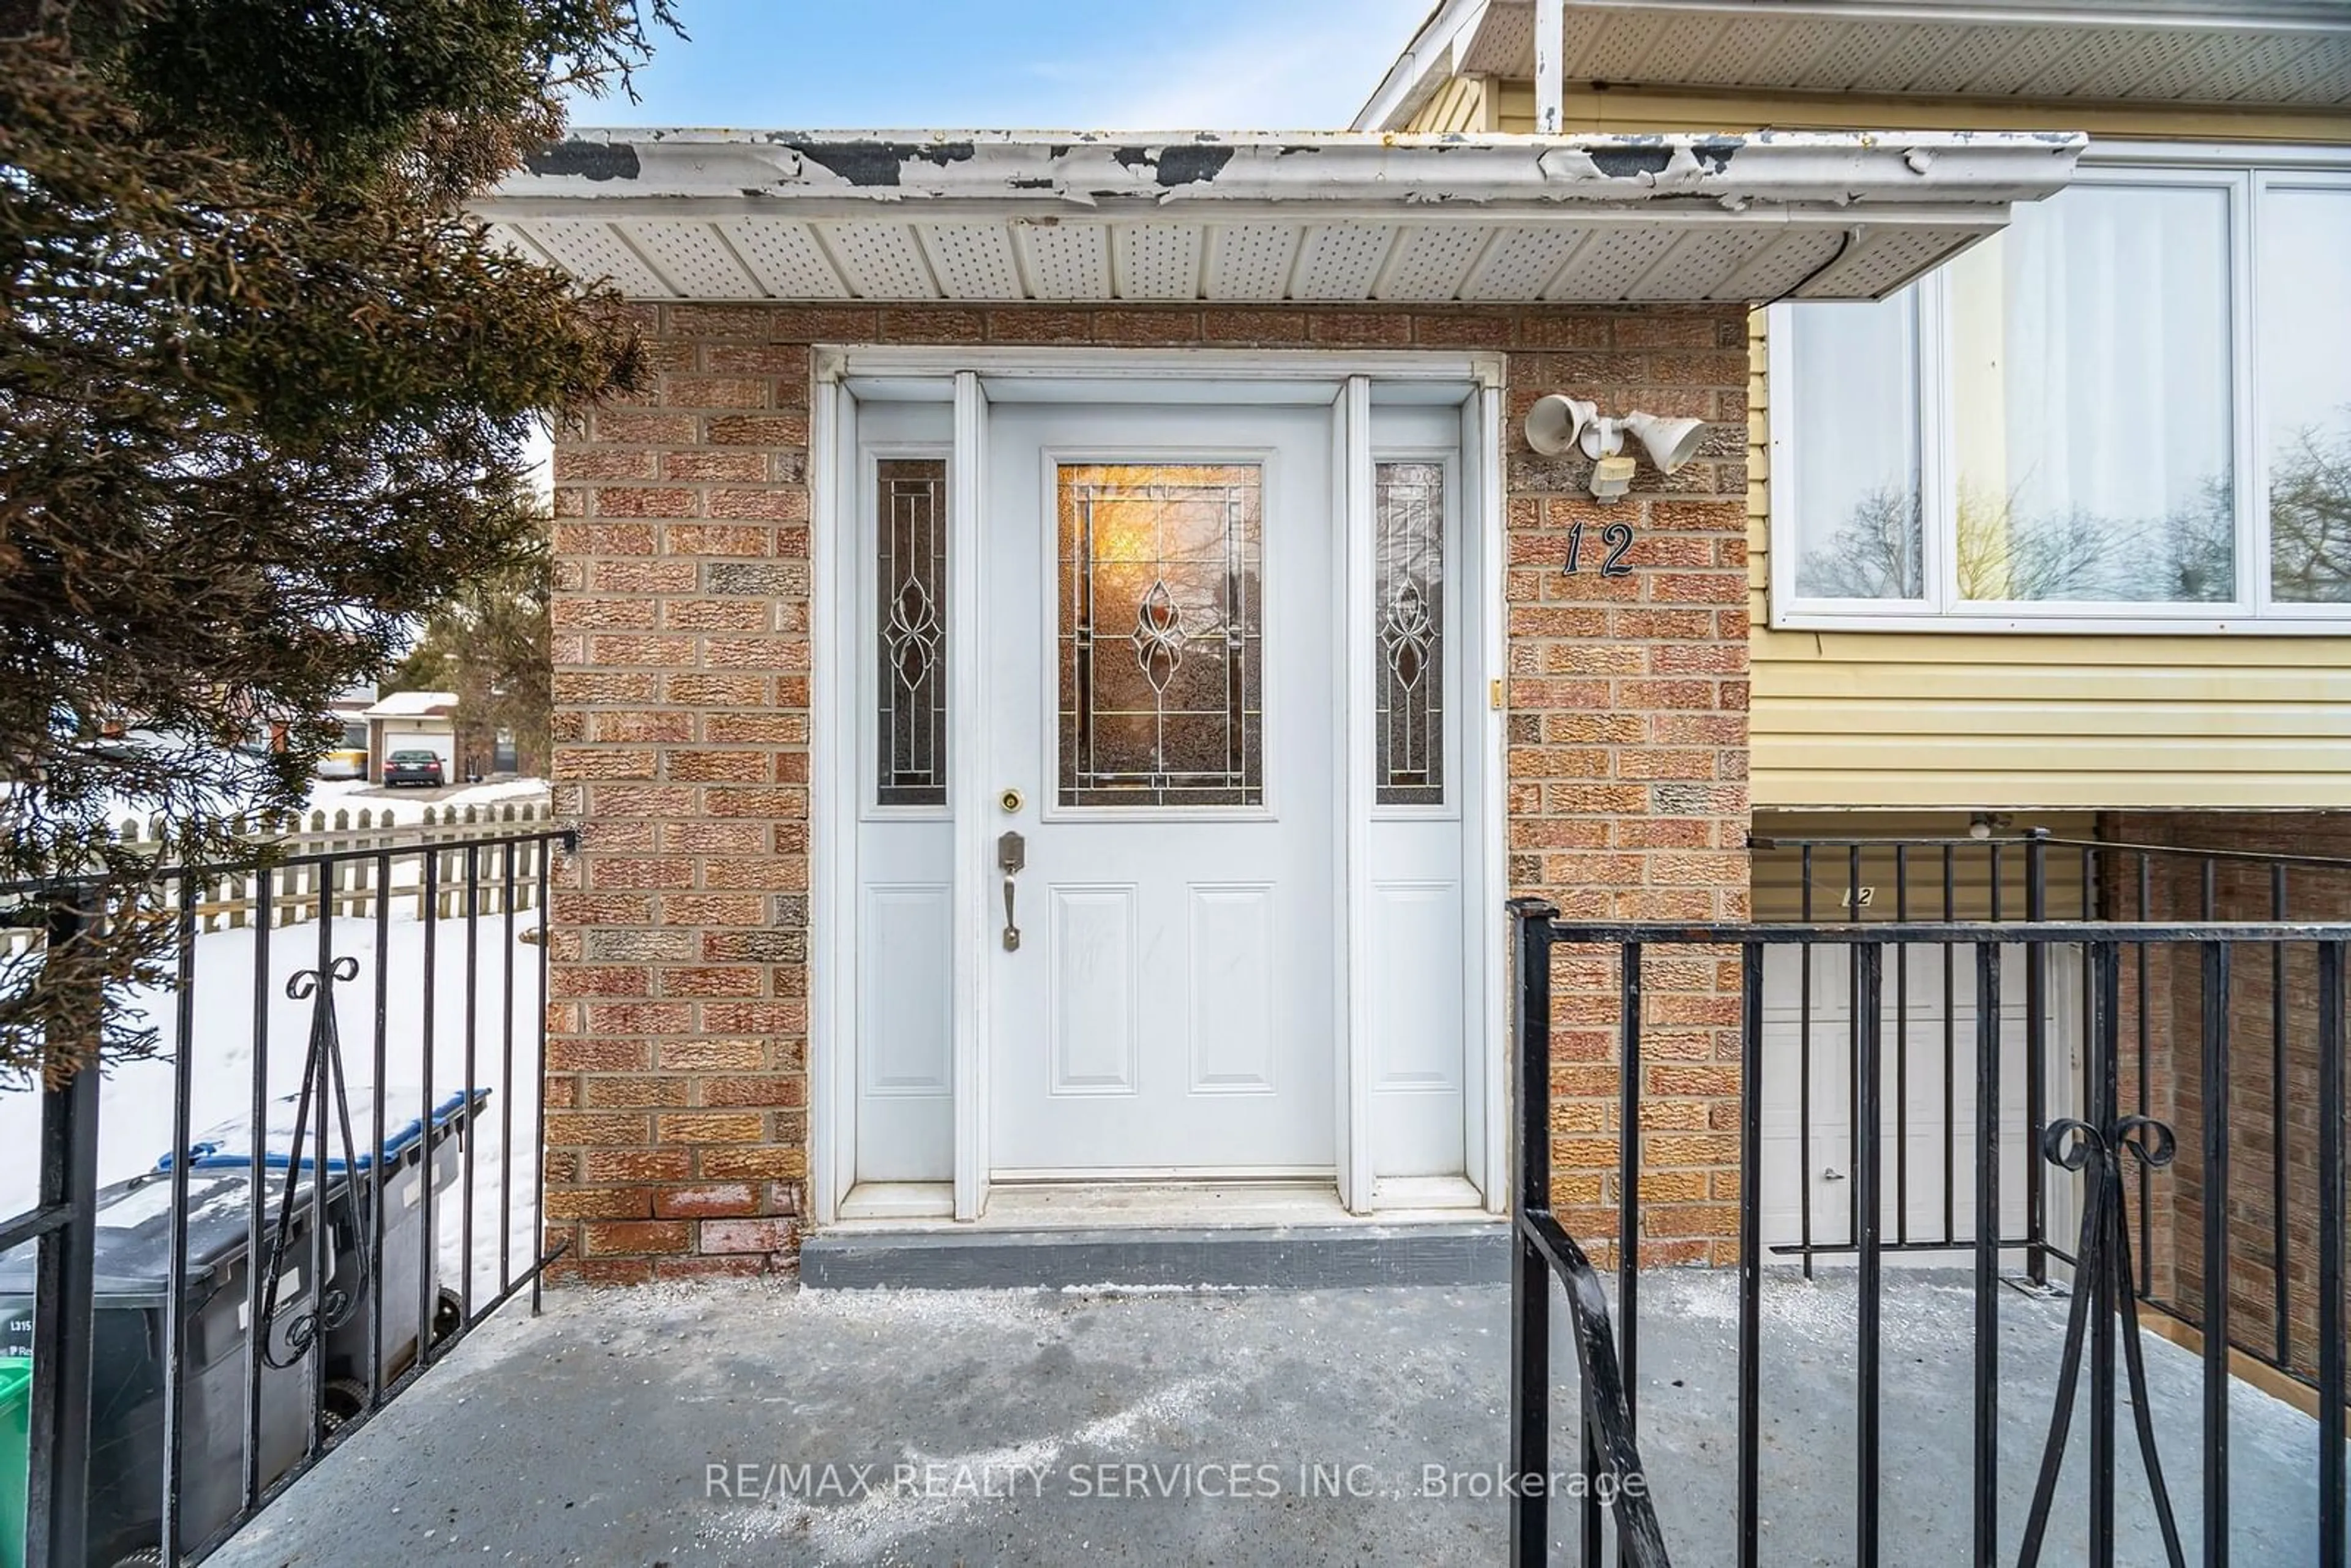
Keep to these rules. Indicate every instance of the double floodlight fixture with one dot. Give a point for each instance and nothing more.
(1556, 422)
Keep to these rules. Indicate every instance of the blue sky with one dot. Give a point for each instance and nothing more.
(1017, 64)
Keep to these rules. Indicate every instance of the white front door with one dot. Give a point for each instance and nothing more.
(1162, 722)
(1209, 648)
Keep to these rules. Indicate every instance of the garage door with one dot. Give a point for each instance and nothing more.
(441, 743)
(1929, 1095)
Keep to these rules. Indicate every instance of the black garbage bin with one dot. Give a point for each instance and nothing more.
(129, 1356)
(412, 1170)
(132, 1282)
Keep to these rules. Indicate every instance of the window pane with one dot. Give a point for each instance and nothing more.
(1856, 434)
(1409, 610)
(2091, 400)
(911, 539)
(1161, 679)
(2305, 251)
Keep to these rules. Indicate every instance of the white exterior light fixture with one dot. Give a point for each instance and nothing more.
(1556, 423)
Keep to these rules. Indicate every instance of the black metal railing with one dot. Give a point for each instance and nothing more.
(2099, 1149)
(2035, 876)
(1610, 1475)
(207, 1318)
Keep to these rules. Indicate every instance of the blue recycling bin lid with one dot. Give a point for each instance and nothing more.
(229, 1145)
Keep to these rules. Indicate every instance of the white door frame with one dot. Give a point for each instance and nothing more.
(1352, 450)
(834, 696)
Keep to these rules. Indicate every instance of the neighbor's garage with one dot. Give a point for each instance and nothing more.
(415, 721)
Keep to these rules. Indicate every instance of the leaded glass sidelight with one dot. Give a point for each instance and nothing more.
(1162, 675)
(910, 687)
(1408, 767)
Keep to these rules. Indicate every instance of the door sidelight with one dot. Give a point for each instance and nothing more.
(1011, 855)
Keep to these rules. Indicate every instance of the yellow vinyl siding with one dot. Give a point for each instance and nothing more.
(1461, 105)
(1514, 107)
(1640, 110)
(2007, 722)
(1779, 874)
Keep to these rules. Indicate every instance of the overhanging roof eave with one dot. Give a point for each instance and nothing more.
(1102, 171)
(2290, 54)
(995, 216)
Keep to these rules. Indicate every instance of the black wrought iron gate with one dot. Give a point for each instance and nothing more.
(2109, 1150)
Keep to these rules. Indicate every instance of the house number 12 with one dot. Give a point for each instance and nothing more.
(1617, 537)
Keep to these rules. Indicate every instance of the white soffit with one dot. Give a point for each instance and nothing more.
(1004, 216)
(2246, 54)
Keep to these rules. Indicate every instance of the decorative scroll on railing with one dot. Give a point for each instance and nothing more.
(2092, 1159)
(314, 1223)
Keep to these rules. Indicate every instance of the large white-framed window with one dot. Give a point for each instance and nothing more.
(2131, 411)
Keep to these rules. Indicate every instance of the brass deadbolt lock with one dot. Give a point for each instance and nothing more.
(1011, 799)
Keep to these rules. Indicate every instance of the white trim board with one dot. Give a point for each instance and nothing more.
(1354, 495)
(1390, 365)
(834, 797)
(967, 790)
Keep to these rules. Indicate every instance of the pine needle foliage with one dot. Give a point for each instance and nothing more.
(263, 391)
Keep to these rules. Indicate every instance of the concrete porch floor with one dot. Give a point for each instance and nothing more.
(611, 1430)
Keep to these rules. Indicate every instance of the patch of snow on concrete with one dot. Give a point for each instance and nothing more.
(883, 1518)
(934, 1309)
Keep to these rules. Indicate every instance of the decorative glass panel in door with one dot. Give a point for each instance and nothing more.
(1160, 645)
(1409, 551)
(912, 573)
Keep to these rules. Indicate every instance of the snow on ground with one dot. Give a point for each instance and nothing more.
(401, 807)
(406, 806)
(135, 1106)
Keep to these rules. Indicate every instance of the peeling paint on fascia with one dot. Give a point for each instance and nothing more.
(1083, 169)
(879, 163)
(596, 161)
(1197, 164)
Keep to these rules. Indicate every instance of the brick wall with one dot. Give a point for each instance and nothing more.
(677, 1090)
(2241, 890)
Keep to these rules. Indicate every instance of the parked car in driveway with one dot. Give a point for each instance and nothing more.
(414, 767)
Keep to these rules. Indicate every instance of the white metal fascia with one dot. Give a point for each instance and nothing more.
(2323, 16)
(1432, 59)
(1043, 174)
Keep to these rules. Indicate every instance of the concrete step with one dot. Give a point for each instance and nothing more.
(1285, 1257)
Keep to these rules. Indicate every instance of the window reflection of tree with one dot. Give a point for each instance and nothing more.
(2186, 558)
(2310, 518)
(1877, 554)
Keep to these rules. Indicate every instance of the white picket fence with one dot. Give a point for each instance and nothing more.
(463, 880)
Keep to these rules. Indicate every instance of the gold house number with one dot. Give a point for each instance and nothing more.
(1617, 537)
